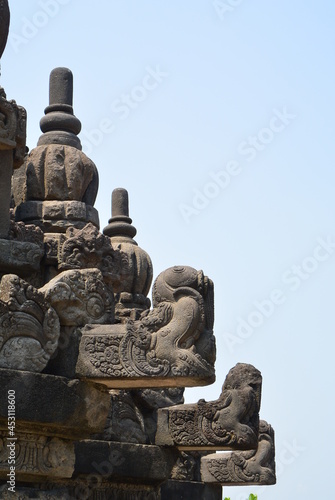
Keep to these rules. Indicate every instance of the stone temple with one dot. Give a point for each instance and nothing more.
(92, 372)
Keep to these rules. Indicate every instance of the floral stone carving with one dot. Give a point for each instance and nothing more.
(172, 345)
(230, 422)
(29, 327)
(246, 467)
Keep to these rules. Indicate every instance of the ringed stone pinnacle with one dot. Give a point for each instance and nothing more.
(120, 222)
(59, 124)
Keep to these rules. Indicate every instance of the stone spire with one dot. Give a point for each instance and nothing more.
(56, 187)
(119, 227)
(133, 287)
(60, 125)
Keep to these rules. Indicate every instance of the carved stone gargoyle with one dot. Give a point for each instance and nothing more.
(171, 345)
(256, 467)
(230, 422)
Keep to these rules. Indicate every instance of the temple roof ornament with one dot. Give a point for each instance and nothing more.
(60, 125)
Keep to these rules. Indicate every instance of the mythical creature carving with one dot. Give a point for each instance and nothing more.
(80, 297)
(238, 468)
(88, 248)
(173, 343)
(29, 327)
(229, 422)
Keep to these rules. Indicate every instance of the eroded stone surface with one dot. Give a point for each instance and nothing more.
(37, 455)
(190, 490)
(230, 422)
(53, 405)
(255, 467)
(120, 461)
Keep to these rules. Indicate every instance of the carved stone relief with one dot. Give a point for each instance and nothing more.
(38, 455)
(80, 297)
(173, 344)
(246, 467)
(29, 327)
(230, 422)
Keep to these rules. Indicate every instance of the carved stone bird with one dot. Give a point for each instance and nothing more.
(4, 24)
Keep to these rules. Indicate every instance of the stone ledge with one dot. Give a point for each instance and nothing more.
(187, 490)
(119, 461)
(57, 214)
(48, 404)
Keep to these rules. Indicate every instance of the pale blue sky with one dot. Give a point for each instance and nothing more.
(244, 82)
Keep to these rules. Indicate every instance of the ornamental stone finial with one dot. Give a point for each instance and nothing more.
(59, 124)
(120, 223)
(56, 187)
(133, 286)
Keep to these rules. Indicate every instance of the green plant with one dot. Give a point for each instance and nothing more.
(251, 497)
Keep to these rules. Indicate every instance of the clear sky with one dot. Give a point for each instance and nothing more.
(218, 117)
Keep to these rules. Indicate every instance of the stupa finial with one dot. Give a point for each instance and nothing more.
(120, 222)
(59, 124)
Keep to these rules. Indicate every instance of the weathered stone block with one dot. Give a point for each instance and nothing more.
(75, 210)
(36, 455)
(53, 210)
(29, 211)
(119, 461)
(53, 405)
(186, 490)
(19, 257)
